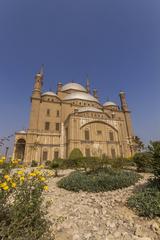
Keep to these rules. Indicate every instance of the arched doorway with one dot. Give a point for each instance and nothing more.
(20, 149)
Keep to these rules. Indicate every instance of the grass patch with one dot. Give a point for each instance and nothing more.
(98, 181)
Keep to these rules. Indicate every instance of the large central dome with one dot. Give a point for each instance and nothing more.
(73, 86)
(81, 96)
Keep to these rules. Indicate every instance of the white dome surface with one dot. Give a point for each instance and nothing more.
(106, 104)
(49, 94)
(81, 96)
(89, 109)
(22, 131)
(74, 86)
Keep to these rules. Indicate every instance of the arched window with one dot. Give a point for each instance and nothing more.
(113, 153)
(56, 154)
(87, 152)
(20, 149)
(111, 136)
(48, 112)
(47, 126)
(86, 134)
(45, 155)
(57, 127)
(57, 113)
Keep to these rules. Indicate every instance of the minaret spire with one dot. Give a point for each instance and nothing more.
(124, 105)
(38, 82)
(42, 70)
(88, 84)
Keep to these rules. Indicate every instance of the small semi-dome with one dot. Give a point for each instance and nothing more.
(106, 104)
(49, 94)
(73, 86)
(21, 132)
(89, 109)
(81, 96)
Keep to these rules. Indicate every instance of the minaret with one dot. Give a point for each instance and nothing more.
(88, 85)
(59, 86)
(124, 105)
(36, 100)
(36, 93)
(128, 121)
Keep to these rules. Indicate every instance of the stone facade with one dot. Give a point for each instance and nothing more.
(73, 118)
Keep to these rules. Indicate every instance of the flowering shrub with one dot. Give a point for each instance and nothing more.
(21, 199)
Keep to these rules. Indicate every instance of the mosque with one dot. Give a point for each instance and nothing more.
(73, 118)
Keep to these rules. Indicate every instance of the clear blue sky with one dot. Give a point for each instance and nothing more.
(117, 42)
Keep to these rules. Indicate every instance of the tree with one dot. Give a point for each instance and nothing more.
(138, 145)
(143, 161)
(75, 154)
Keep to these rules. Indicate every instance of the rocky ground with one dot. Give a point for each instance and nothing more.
(97, 216)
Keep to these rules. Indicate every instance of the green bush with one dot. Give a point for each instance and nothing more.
(146, 202)
(154, 183)
(117, 163)
(98, 181)
(47, 163)
(75, 154)
(72, 163)
(154, 149)
(56, 164)
(87, 163)
(34, 163)
(90, 164)
(143, 162)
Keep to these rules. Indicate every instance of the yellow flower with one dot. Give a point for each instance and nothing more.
(14, 185)
(32, 174)
(45, 188)
(8, 179)
(42, 179)
(6, 188)
(20, 172)
(6, 176)
(4, 184)
(3, 158)
(37, 172)
(14, 161)
(41, 166)
(22, 179)
(1, 161)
